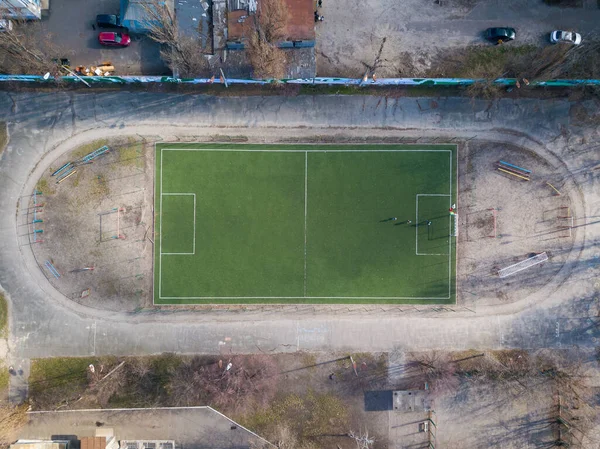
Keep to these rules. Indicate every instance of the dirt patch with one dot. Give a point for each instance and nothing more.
(505, 220)
(3, 136)
(95, 225)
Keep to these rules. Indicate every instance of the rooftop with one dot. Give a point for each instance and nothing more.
(300, 26)
(192, 427)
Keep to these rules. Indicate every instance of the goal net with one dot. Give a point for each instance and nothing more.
(454, 232)
(539, 258)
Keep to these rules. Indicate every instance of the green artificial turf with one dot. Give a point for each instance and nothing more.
(304, 224)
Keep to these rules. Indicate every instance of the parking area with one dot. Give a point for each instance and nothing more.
(71, 26)
(417, 32)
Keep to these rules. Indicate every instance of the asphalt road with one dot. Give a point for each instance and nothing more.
(71, 27)
(44, 324)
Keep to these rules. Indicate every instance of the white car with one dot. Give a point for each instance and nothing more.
(568, 37)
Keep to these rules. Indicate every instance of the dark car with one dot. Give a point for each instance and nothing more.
(114, 39)
(500, 35)
(108, 21)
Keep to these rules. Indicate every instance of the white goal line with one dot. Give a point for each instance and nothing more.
(417, 225)
(258, 150)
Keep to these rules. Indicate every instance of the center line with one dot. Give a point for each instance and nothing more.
(305, 211)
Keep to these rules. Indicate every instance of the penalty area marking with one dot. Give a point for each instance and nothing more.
(194, 221)
(417, 226)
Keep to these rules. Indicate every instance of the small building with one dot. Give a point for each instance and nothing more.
(41, 444)
(21, 9)
(299, 41)
(155, 428)
(299, 30)
(410, 401)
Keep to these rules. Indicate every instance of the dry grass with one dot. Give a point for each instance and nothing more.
(4, 377)
(88, 148)
(45, 187)
(3, 136)
(523, 61)
(98, 188)
(3, 317)
(132, 153)
(12, 419)
(58, 380)
(294, 420)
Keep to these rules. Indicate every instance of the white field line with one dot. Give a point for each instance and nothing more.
(450, 233)
(194, 218)
(306, 205)
(303, 297)
(231, 150)
(305, 212)
(160, 230)
(417, 224)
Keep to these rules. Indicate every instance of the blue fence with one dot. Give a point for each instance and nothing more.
(102, 80)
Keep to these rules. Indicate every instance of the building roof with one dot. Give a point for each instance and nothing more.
(21, 9)
(39, 444)
(93, 443)
(300, 26)
(197, 427)
(134, 16)
(410, 401)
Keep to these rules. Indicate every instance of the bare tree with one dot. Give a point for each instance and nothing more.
(574, 414)
(438, 370)
(183, 54)
(362, 439)
(27, 49)
(12, 419)
(233, 385)
(286, 438)
(263, 34)
(108, 383)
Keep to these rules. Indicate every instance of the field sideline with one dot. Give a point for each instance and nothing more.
(285, 224)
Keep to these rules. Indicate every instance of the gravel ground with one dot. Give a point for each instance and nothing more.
(416, 32)
(81, 225)
(526, 222)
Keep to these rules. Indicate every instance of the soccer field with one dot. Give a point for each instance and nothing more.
(285, 224)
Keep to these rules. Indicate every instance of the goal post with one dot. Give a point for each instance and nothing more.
(454, 230)
(524, 264)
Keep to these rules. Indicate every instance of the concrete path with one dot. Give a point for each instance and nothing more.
(45, 324)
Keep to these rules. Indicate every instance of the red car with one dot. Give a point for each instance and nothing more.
(114, 39)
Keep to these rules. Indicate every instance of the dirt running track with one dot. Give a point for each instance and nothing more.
(45, 125)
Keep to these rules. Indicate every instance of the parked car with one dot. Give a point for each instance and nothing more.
(568, 37)
(6, 25)
(500, 35)
(114, 39)
(108, 21)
